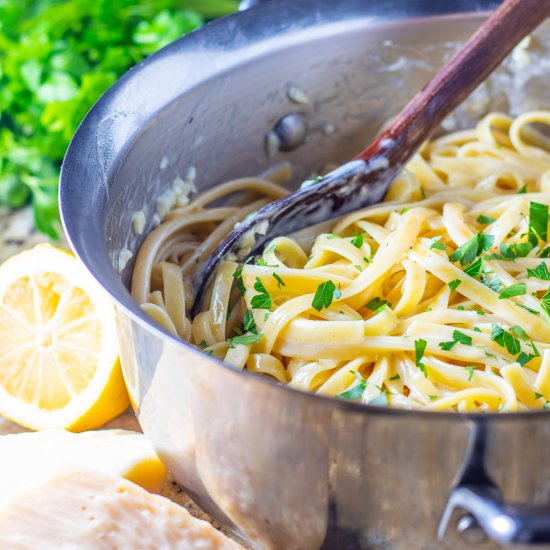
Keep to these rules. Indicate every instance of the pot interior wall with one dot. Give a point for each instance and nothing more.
(356, 77)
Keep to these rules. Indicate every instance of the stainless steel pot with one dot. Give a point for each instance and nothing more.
(279, 467)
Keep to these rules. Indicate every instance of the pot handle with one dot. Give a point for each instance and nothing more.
(487, 514)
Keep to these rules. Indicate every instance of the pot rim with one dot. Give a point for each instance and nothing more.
(80, 163)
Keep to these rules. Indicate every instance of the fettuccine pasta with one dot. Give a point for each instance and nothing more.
(437, 298)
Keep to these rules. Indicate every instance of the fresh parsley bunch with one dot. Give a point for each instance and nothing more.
(56, 59)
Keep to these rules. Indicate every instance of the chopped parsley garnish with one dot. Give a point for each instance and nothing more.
(505, 339)
(538, 222)
(538, 395)
(458, 337)
(546, 405)
(528, 309)
(331, 236)
(433, 397)
(249, 325)
(545, 303)
(467, 252)
(376, 304)
(519, 289)
(545, 253)
(396, 377)
(419, 348)
(519, 332)
(453, 285)
(246, 339)
(438, 245)
(203, 344)
(493, 282)
(357, 391)
(540, 272)
(262, 300)
(475, 268)
(357, 240)
(240, 285)
(239, 271)
(324, 295)
(471, 369)
(367, 260)
(485, 220)
(270, 249)
(523, 190)
(524, 358)
(280, 282)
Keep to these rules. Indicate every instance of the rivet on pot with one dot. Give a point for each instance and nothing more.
(291, 130)
(470, 530)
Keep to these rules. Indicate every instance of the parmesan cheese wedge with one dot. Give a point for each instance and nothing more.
(87, 510)
(29, 459)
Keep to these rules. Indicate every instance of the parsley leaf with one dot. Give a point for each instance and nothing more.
(458, 337)
(438, 245)
(419, 348)
(262, 300)
(505, 339)
(357, 240)
(538, 222)
(246, 339)
(357, 391)
(538, 395)
(517, 289)
(524, 358)
(324, 295)
(453, 285)
(519, 332)
(475, 268)
(545, 303)
(485, 220)
(471, 369)
(396, 377)
(280, 282)
(376, 304)
(467, 252)
(540, 272)
(249, 325)
(270, 249)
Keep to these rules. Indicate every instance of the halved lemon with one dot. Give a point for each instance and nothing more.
(59, 364)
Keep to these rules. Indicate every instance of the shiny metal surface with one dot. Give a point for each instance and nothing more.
(286, 469)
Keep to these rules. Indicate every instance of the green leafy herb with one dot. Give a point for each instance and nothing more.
(471, 369)
(246, 339)
(57, 58)
(458, 337)
(545, 303)
(433, 397)
(396, 377)
(262, 300)
(467, 252)
(249, 325)
(514, 290)
(538, 222)
(505, 339)
(203, 344)
(376, 304)
(366, 260)
(485, 220)
(357, 391)
(438, 245)
(538, 395)
(419, 348)
(524, 358)
(540, 272)
(523, 190)
(545, 253)
(491, 281)
(331, 236)
(528, 309)
(519, 332)
(270, 249)
(280, 282)
(357, 240)
(475, 268)
(324, 295)
(453, 285)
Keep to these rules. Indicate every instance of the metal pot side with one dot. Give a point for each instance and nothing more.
(281, 468)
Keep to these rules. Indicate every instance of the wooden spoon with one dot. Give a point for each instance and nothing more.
(365, 180)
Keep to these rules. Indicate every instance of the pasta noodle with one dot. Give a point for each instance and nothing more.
(438, 298)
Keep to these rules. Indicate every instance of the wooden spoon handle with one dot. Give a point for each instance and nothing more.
(479, 56)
